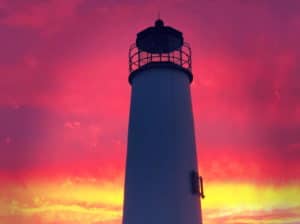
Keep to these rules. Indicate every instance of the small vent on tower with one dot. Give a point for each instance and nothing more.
(197, 184)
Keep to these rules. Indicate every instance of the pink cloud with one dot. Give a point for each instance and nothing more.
(38, 15)
(245, 92)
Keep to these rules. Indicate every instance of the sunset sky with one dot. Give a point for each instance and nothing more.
(64, 106)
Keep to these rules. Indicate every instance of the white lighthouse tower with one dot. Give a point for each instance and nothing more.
(162, 185)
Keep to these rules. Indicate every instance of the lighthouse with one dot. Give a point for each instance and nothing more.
(162, 184)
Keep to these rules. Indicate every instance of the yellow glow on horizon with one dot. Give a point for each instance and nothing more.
(250, 197)
(90, 201)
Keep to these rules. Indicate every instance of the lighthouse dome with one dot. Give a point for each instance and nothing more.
(159, 38)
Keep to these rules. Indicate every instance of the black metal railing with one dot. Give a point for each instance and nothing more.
(181, 57)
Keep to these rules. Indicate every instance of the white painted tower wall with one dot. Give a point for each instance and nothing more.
(161, 150)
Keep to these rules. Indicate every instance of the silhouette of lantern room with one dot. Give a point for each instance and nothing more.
(159, 44)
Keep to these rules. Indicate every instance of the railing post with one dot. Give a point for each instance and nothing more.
(139, 58)
(180, 56)
(190, 58)
(129, 56)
